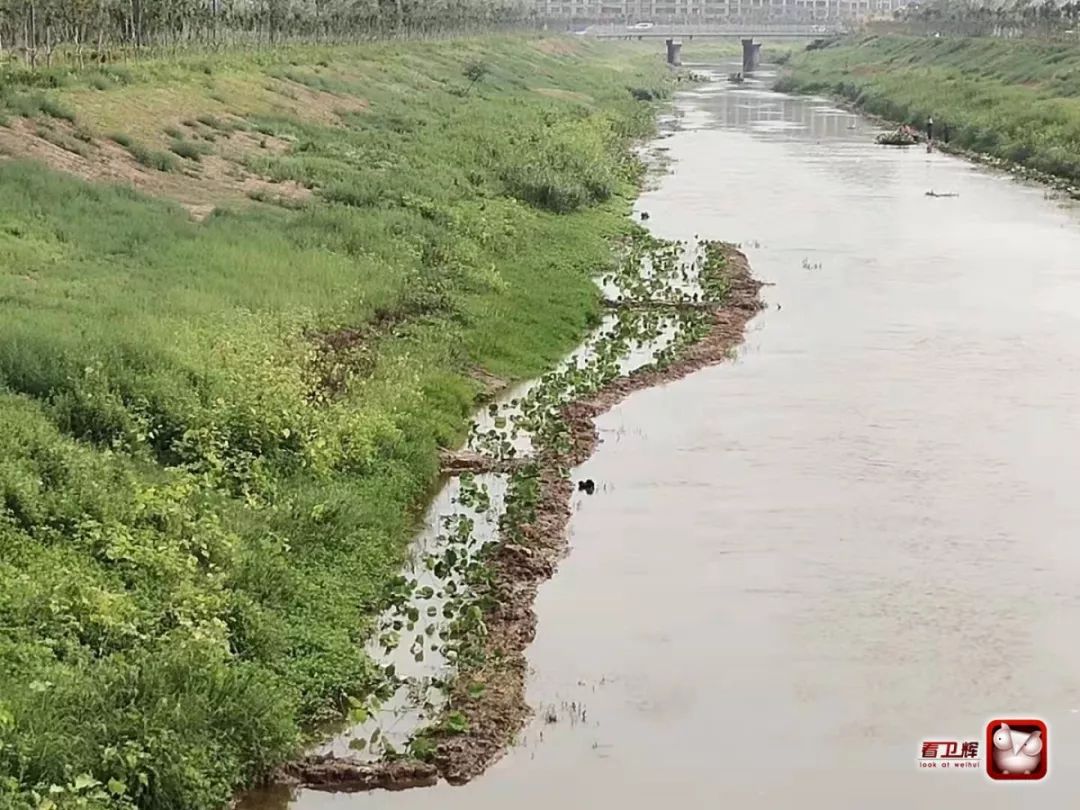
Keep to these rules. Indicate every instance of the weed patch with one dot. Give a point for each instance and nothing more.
(189, 150)
(152, 158)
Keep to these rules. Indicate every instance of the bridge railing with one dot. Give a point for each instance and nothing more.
(734, 29)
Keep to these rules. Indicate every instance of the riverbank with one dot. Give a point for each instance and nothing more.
(245, 302)
(486, 706)
(534, 542)
(1012, 103)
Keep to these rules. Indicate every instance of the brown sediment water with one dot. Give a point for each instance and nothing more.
(860, 536)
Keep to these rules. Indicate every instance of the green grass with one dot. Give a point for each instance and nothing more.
(76, 145)
(189, 150)
(218, 436)
(1016, 100)
(151, 158)
(215, 123)
(33, 104)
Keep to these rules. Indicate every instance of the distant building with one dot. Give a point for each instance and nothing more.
(690, 11)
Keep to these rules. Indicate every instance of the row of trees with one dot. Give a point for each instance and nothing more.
(1010, 18)
(38, 31)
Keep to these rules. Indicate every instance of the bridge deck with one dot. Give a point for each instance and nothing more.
(763, 31)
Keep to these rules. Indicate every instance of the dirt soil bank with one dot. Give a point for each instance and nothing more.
(519, 566)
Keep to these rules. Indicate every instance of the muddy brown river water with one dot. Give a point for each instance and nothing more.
(861, 535)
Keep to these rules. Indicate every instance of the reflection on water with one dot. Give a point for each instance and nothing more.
(860, 536)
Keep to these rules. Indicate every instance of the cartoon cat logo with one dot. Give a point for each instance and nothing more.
(1017, 748)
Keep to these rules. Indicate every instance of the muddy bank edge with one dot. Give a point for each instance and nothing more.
(526, 556)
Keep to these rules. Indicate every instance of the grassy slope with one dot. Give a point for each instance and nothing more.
(217, 435)
(1017, 100)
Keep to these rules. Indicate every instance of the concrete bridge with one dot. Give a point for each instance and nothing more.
(714, 31)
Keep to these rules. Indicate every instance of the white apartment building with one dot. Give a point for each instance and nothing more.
(689, 11)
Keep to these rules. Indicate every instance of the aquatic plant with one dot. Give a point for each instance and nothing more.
(651, 333)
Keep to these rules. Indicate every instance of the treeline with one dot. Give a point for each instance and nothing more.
(1009, 19)
(38, 32)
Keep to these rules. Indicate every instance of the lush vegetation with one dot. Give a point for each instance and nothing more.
(1009, 19)
(218, 434)
(1018, 100)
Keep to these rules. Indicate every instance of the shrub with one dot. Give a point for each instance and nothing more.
(189, 150)
(564, 168)
(543, 187)
(152, 158)
(56, 110)
(357, 194)
(215, 123)
(641, 94)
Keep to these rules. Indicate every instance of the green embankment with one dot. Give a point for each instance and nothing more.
(218, 435)
(1018, 100)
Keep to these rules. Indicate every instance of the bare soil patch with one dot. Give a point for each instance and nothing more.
(198, 186)
(318, 106)
(556, 47)
(344, 775)
(565, 95)
(455, 462)
(490, 385)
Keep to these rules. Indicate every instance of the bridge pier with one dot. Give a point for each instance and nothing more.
(751, 55)
(674, 52)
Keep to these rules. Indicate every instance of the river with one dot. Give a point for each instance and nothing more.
(861, 535)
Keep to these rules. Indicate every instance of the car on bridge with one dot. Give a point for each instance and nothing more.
(641, 26)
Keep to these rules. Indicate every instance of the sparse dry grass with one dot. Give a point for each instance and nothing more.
(217, 179)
